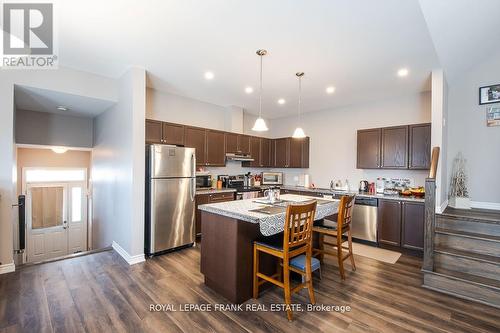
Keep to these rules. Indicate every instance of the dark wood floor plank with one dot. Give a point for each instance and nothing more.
(102, 293)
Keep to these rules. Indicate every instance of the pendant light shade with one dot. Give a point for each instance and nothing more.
(299, 132)
(260, 124)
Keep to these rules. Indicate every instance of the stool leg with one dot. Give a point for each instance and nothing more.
(349, 242)
(309, 277)
(321, 238)
(255, 271)
(286, 282)
(339, 257)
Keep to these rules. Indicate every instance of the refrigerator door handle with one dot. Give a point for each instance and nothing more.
(193, 165)
(192, 192)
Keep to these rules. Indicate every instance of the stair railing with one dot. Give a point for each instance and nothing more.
(430, 213)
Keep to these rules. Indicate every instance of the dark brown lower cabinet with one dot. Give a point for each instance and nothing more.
(412, 236)
(202, 199)
(389, 222)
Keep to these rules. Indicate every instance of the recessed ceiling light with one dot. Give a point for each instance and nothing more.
(281, 101)
(249, 90)
(62, 108)
(209, 75)
(403, 72)
(330, 90)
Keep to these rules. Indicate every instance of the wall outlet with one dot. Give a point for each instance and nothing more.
(295, 178)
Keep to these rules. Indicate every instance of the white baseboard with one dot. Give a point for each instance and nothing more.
(7, 268)
(485, 205)
(131, 260)
(443, 206)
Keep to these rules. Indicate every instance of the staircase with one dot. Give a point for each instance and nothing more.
(463, 254)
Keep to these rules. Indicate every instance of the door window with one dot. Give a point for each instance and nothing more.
(47, 207)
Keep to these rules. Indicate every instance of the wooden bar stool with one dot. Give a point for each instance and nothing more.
(296, 240)
(337, 230)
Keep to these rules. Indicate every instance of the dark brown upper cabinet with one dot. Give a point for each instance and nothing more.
(244, 144)
(173, 134)
(420, 146)
(265, 152)
(154, 131)
(413, 217)
(237, 143)
(232, 143)
(389, 222)
(368, 154)
(290, 153)
(395, 147)
(255, 151)
(216, 155)
(281, 153)
(398, 147)
(166, 133)
(196, 138)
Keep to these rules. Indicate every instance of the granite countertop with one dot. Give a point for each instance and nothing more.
(360, 195)
(214, 190)
(270, 224)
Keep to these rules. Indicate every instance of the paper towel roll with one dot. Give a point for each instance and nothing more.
(306, 181)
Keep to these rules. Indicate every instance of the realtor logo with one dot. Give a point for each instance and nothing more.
(28, 35)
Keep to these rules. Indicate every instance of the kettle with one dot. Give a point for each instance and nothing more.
(363, 186)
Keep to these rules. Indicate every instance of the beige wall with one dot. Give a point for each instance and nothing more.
(35, 157)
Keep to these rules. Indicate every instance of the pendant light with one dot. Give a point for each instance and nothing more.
(260, 124)
(299, 132)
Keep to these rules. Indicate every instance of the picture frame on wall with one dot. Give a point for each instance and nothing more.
(489, 94)
(493, 116)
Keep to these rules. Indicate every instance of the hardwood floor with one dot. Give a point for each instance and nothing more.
(101, 293)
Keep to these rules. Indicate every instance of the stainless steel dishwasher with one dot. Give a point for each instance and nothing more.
(364, 219)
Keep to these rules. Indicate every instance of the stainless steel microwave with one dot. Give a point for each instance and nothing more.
(272, 178)
(203, 181)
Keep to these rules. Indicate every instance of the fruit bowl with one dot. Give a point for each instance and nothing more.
(418, 192)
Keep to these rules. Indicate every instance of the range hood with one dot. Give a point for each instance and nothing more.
(239, 157)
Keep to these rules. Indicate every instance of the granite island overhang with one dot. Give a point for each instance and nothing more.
(228, 230)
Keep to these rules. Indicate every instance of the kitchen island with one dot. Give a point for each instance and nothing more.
(228, 232)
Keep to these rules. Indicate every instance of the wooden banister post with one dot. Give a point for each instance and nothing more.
(430, 223)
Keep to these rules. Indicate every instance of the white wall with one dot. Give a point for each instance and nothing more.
(468, 133)
(52, 129)
(64, 80)
(183, 110)
(333, 137)
(439, 111)
(118, 169)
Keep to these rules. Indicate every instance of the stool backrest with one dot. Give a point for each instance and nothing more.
(345, 212)
(298, 225)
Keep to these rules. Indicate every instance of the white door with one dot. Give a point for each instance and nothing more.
(56, 220)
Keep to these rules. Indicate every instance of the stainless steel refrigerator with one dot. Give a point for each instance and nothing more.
(170, 193)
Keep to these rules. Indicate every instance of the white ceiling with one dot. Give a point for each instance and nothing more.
(356, 46)
(465, 32)
(35, 99)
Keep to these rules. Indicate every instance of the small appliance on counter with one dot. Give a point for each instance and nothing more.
(243, 191)
(380, 185)
(203, 181)
(272, 178)
(363, 186)
(338, 185)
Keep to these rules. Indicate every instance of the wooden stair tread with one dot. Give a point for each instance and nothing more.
(468, 234)
(468, 254)
(490, 283)
(480, 215)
